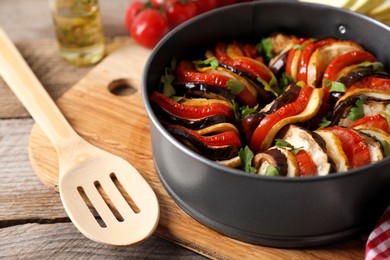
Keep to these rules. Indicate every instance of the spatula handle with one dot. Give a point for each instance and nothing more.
(22, 81)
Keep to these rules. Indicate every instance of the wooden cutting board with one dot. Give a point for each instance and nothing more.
(119, 124)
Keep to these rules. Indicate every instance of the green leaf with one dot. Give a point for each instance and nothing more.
(298, 47)
(167, 80)
(284, 81)
(267, 86)
(246, 110)
(324, 122)
(246, 156)
(386, 147)
(235, 86)
(387, 116)
(334, 86)
(210, 62)
(265, 48)
(388, 106)
(271, 171)
(375, 66)
(284, 144)
(357, 111)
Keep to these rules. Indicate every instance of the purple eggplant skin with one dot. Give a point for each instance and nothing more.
(341, 109)
(250, 122)
(355, 76)
(285, 98)
(265, 96)
(193, 143)
(275, 158)
(167, 119)
(200, 89)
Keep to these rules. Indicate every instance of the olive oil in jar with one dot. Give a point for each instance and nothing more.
(78, 30)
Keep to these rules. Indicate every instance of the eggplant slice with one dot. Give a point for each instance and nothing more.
(312, 143)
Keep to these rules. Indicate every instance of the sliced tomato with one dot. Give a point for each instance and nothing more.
(293, 56)
(303, 62)
(344, 60)
(355, 148)
(234, 56)
(228, 138)
(186, 72)
(372, 83)
(190, 111)
(323, 56)
(378, 121)
(305, 163)
(270, 120)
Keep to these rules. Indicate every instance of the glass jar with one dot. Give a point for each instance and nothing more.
(78, 29)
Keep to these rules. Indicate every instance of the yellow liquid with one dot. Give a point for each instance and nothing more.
(79, 33)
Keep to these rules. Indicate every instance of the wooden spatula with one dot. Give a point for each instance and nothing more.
(105, 197)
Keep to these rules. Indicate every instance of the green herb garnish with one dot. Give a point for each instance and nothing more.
(210, 62)
(298, 47)
(271, 171)
(357, 111)
(265, 48)
(168, 78)
(235, 86)
(334, 86)
(324, 122)
(375, 66)
(386, 147)
(246, 156)
(284, 144)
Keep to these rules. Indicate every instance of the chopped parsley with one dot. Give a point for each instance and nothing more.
(284, 144)
(357, 111)
(324, 122)
(335, 86)
(265, 48)
(168, 78)
(246, 156)
(235, 86)
(210, 62)
(271, 171)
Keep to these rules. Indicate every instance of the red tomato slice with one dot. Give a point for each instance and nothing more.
(355, 148)
(373, 83)
(377, 121)
(270, 120)
(305, 163)
(191, 112)
(186, 72)
(305, 57)
(229, 138)
(344, 60)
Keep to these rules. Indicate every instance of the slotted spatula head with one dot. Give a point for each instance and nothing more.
(109, 201)
(105, 197)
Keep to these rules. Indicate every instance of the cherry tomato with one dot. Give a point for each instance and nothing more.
(157, 3)
(134, 8)
(206, 5)
(179, 11)
(148, 27)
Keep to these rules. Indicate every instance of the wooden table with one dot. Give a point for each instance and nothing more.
(33, 223)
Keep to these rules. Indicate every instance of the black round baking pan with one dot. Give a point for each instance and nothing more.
(270, 211)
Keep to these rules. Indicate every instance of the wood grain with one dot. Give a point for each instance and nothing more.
(119, 125)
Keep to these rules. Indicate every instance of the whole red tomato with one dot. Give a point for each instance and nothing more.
(179, 11)
(206, 5)
(157, 3)
(134, 8)
(148, 27)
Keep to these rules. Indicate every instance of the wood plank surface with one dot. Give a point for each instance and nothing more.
(119, 125)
